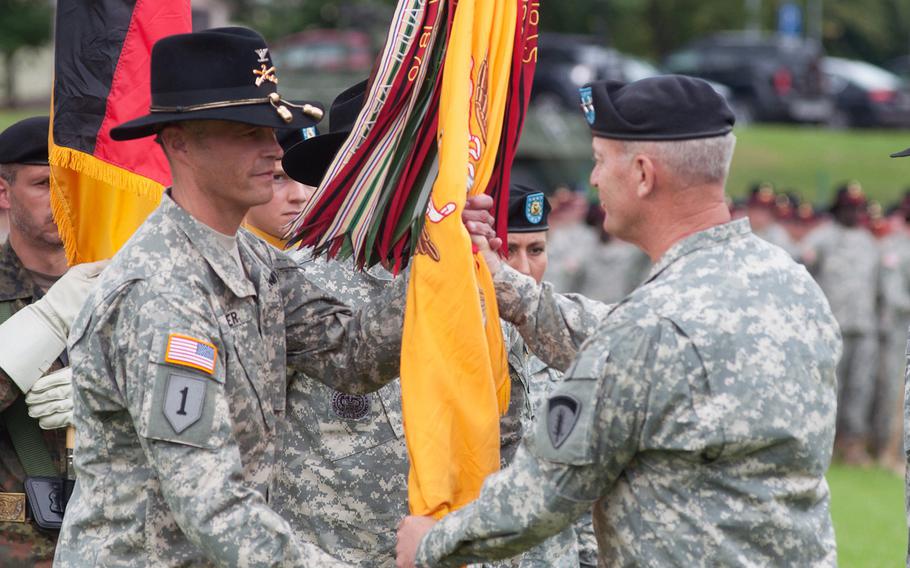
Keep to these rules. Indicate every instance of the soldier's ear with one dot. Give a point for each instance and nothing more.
(174, 140)
(645, 175)
(4, 195)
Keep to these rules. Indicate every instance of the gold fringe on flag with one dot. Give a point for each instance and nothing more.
(89, 193)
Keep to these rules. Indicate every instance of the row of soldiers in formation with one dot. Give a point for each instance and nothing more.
(235, 405)
(858, 253)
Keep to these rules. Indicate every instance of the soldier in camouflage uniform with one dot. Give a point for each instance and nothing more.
(341, 479)
(179, 356)
(844, 258)
(30, 262)
(342, 471)
(698, 415)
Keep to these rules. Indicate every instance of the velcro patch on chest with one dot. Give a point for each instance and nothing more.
(191, 352)
(350, 406)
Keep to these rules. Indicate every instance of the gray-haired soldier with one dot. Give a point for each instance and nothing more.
(697, 418)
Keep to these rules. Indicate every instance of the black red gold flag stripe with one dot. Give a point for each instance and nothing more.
(102, 190)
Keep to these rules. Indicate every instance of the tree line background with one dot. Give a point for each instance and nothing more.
(872, 30)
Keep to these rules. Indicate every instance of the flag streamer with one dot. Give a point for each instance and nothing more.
(446, 105)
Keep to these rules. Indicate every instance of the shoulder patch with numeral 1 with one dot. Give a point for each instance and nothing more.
(184, 399)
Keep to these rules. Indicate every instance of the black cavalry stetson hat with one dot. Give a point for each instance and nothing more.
(666, 107)
(217, 74)
(308, 161)
(25, 142)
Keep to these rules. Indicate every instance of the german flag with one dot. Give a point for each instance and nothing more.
(102, 190)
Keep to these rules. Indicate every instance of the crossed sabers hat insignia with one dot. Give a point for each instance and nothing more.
(265, 75)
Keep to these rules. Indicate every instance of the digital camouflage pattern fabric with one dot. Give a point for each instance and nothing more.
(698, 418)
(342, 473)
(341, 477)
(21, 544)
(175, 449)
(531, 381)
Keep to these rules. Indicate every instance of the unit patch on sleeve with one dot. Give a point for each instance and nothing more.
(191, 352)
(183, 401)
(562, 416)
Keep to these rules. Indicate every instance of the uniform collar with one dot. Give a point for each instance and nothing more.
(15, 281)
(703, 239)
(280, 244)
(221, 262)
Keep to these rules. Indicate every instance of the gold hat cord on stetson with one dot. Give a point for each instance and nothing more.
(274, 99)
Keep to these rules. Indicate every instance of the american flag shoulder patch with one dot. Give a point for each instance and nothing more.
(191, 352)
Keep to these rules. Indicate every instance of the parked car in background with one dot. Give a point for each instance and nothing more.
(772, 78)
(900, 66)
(567, 62)
(318, 64)
(866, 95)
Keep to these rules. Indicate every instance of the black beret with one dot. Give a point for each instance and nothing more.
(528, 210)
(25, 142)
(666, 107)
(290, 137)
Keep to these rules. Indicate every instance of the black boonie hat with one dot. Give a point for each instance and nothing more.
(308, 161)
(666, 107)
(25, 142)
(528, 210)
(217, 74)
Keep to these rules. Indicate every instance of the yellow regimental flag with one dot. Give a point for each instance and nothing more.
(454, 371)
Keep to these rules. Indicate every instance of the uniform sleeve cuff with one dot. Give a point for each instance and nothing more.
(28, 347)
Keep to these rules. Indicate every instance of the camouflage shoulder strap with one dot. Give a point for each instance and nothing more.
(23, 429)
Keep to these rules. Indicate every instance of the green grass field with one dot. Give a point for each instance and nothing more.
(812, 160)
(868, 511)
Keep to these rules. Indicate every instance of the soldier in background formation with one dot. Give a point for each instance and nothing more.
(587, 260)
(342, 470)
(844, 258)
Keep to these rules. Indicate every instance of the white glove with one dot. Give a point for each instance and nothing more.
(50, 400)
(59, 307)
(35, 336)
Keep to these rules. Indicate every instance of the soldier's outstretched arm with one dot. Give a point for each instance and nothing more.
(585, 435)
(171, 361)
(354, 351)
(553, 325)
